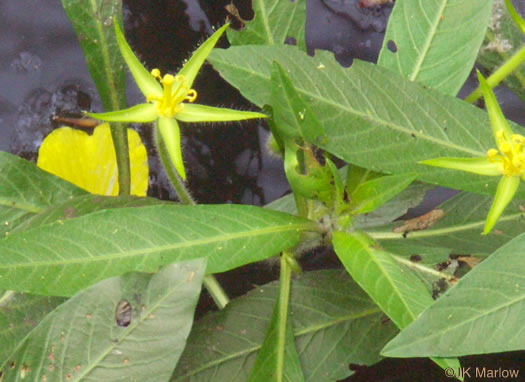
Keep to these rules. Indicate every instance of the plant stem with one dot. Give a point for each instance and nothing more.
(216, 291)
(500, 74)
(284, 299)
(210, 282)
(120, 141)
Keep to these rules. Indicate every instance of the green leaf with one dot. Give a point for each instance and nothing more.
(429, 255)
(83, 205)
(132, 327)
(93, 24)
(369, 114)
(356, 175)
(25, 191)
(482, 314)
(372, 194)
(436, 42)
(293, 118)
(335, 324)
(315, 184)
(274, 22)
(411, 197)
(461, 227)
(265, 370)
(19, 314)
(72, 254)
(399, 293)
(277, 359)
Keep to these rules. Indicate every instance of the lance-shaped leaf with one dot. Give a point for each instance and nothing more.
(93, 25)
(83, 205)
(369, 114)
(25, 190)
(115, 330)
(397, 291)
(275, 22)
(374, 193)
(335, 323)
(483, 313)
(293, 117)
(19, 314)
(435, 42)
(461, 227)
(70, 255)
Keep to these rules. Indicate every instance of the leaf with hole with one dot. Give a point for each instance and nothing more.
(81, 339)
(19, 314)
(397, 291)
(369, 114)
(435, 42)
(482, 313)
(275, 22)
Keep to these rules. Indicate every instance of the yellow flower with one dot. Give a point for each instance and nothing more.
(507, 161)
(89, 161)
(171, 100)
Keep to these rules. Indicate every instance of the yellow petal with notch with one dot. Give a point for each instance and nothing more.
(89, 161)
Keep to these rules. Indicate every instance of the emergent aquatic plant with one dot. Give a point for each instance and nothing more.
(105, 288)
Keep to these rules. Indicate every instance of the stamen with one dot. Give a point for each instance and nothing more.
(192, 95)
(492, 153)
(171, 101)
(156, 73)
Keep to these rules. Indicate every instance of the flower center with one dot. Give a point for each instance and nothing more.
(174, 92)
(510, 156)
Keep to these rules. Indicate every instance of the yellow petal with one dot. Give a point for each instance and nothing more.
(89, 161)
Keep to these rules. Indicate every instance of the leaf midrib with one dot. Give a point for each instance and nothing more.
(107, 257)
(360, 114)
(449, 328)
(428, 42)
(298, 333)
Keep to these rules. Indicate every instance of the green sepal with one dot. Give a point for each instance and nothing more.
(147, 84)
(372, 194)
(192, 66)
(518, 20)
(170, 133)
(480, 166)
(497, 120)
(202, 113)
(507, 187)
(144, 112)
